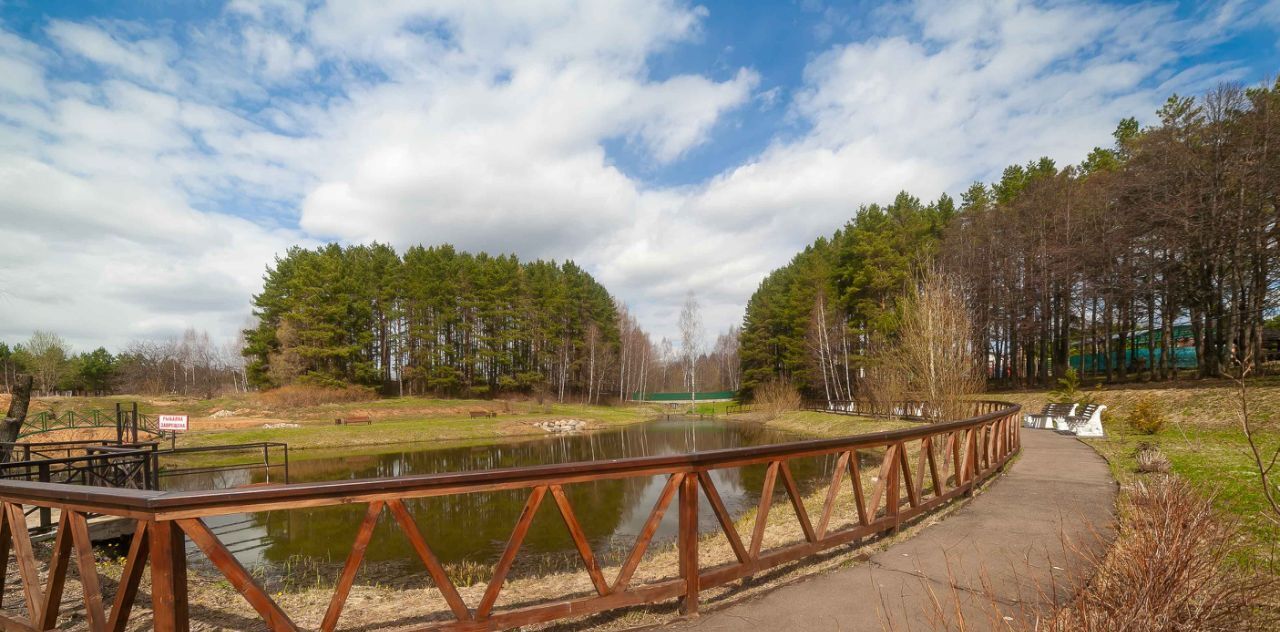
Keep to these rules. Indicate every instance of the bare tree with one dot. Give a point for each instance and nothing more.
(48, 352)
(1264, 458)
(935, 352)
(691, 334)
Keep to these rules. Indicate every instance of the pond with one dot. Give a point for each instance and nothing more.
(475, 527)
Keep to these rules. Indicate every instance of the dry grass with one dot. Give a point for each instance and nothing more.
(1201, 403)
(1168, 571)
(777, 396)
(300, 395)
(1152, 460)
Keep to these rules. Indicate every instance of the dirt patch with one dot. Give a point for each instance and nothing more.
(235, 423)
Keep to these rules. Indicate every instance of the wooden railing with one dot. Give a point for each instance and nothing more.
(949, 460)
(911, 409)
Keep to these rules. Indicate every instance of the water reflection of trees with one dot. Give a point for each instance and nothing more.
(475, 527)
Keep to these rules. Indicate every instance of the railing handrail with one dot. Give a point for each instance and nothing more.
(956, 456)
(522, 476)
(66, 460)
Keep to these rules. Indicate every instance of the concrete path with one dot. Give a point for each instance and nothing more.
(1014, 545)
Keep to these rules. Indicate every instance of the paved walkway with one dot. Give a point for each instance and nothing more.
(1007, 544)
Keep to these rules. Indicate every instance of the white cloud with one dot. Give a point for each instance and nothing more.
(145, 59)
(152, 193)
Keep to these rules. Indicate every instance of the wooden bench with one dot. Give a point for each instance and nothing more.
(354, 419)
(483, 413)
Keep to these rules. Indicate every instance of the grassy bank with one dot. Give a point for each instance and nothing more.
(815, 424)
(1204, 444)
(247, 418)
(396, 425)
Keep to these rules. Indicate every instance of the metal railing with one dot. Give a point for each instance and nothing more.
(921, 469)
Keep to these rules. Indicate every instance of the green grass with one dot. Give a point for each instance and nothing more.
(1217, 462)
(394, 426)
(1203, 442)
(713, 408)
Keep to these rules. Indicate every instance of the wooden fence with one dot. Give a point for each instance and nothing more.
(950, 460)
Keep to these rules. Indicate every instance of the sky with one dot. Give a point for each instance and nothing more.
(156, 156)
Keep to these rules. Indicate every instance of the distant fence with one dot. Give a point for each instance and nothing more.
(127, 421)
(709, 396)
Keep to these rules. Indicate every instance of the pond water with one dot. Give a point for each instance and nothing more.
(475, 527)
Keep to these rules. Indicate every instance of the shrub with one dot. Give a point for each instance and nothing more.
(1152, 460)
(1147, 416)
(1169, 570)
(777, 396)
(299, 395)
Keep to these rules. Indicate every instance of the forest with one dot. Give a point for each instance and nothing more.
(439, 321)
(1165, 241)
(433, 321)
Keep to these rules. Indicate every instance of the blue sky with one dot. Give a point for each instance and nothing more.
(157, 155)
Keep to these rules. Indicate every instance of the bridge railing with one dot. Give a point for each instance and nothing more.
(920, 410)
(920, 470)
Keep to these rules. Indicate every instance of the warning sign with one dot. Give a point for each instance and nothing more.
(172, 423)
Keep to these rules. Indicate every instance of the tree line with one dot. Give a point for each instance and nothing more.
(436, 320)
(189, 365)
(1165, 241)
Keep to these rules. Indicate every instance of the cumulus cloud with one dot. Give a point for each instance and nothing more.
(152, 172)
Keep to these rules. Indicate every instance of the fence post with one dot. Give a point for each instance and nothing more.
(891, 488)
(119, 424)
(688, 542)
(135, 422)
(46, 514)
(168, 577)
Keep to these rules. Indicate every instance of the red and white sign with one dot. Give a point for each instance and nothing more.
(174, 423)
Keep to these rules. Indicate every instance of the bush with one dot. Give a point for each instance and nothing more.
(1170, 570)
(777, 396)
(1147, 416)
(299, 395)
(1152, 460)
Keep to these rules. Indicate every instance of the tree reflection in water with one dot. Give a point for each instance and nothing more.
(474, 527)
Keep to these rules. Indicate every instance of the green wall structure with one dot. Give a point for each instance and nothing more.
(709, 396)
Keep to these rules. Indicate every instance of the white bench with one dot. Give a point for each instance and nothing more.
(1085, 422)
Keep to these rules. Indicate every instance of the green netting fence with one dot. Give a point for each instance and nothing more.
(684, 397)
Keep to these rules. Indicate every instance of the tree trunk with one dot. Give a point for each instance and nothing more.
(16, 416)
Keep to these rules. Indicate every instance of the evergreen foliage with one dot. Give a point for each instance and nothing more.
(1174, 225)
(856, 276)
(433, 320)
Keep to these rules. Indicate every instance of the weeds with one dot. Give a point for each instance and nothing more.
(1169, 571)
(777, 396)
(301, 395)
(1151, 460)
